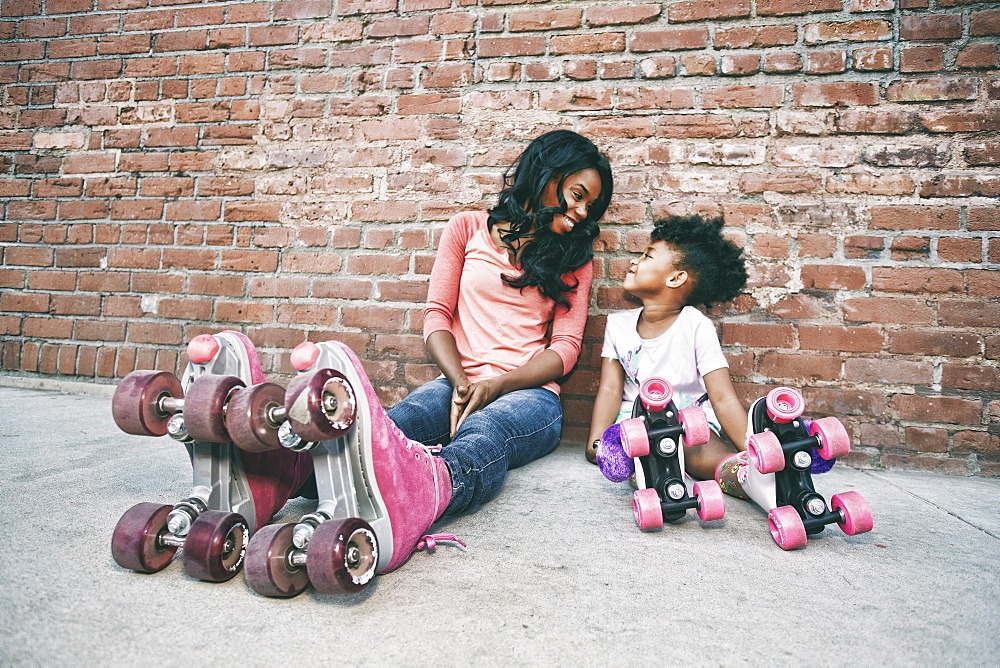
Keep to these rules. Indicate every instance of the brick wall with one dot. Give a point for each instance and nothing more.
(169, 168)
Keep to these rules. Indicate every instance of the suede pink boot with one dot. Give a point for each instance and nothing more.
(403, 487)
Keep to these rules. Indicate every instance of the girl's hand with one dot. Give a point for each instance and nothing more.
(467, 399)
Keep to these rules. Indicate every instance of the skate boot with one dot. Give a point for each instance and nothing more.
(782, 453)
(379, 492)
(231, 494)
(662, 494)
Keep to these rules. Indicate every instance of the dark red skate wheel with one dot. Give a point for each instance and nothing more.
(136, 404)
(247, 417)
(646, 508)
(136, 545)
(215, 546)
(655, 394)
(784, 404)
(342, 556)
(833, 437)
(696, 429)
(205, 407)
(320, 405)
(635, 440)
(765, 452)
(855, 511)
(268, 570)
(711, 502)
(786, 527)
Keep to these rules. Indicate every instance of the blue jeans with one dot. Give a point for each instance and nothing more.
(517, 428)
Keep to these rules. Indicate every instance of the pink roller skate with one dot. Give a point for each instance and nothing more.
(379, 492)
(778, 466)
(659, 471)
(231, 494)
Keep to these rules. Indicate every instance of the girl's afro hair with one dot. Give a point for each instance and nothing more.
(714, 263)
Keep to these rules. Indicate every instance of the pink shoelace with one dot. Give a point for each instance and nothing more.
(429, 541)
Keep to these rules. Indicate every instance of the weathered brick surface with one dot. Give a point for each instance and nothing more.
(169, 169)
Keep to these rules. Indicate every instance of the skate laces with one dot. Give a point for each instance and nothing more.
(429, 541)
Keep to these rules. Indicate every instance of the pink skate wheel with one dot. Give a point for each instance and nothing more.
(655, 394)
(136, 545)
(304, 355)
(268, 569)
(249, 417)
(786, 527)
(711, 502)
(635, 440)
(784, 404)
(320, 405)
(696, 430)
(765, 452)
(215, 546)
(205, 407)
(342, 556)
(855, 511)
(834, 441)
(647, 509)
(202, 348)
(136, 405)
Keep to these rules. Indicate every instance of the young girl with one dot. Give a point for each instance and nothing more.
(687, 263)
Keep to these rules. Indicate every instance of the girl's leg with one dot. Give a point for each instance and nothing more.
(714, 461)
(513, 430)
(425, 415)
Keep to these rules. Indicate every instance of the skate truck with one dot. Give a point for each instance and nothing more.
(783, 452)
(650, 442)
(214, 523)
(333, 548)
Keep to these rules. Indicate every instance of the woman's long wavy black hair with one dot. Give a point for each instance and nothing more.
(547, 256)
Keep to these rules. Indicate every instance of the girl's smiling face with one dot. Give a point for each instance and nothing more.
(653, 270)
(579, 190)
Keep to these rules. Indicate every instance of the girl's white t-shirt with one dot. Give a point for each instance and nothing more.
(682, 355)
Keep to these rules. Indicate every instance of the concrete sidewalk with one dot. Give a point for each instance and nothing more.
(556, 571)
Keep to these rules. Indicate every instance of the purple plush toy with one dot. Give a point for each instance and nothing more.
(611, 458)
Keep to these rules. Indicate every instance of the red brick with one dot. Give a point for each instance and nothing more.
(915, 218)
(966, 377)
(730, 97)
(373, 318)
(976, 441)
(801, 366)
(755, 37)
(622, 14)
(676, 39)
(740, 64)
(758, 335)
(968, 314)
(833, 277)
(930, 27)
(985, 23)
(847, 339)
(865, 30)
(506, 47)
(661, 97)
(553, 19)
(960, 250)
(925, 439)
(908, 155)
(931, 90)
(786, 7)
(830, 401)
(921, 59)
(589, 43)
(874, 122)
(888, 310)
(888, 371)
(701, 10)
(947, 410)
(918, 342)
(835, 94)
(782, 63)
(932, 464)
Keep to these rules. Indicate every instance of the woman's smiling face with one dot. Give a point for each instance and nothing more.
(579, 190)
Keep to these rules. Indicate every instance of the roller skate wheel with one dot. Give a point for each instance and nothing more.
(784, 404)
(216, 545)
(655, 394)
(304, 355)
(855, 511)
(320, 405)
(786, 527)
(696, 429)
(248, 417)
(834, 441)
(711, 502)
(765, 452)
(136, 405)
(635, 439)
(136, 544)
(268, 569)
(202, 348)
(646, 508)
(205, 407)
(342, 556)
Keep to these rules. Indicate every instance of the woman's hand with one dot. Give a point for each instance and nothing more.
(469, 398)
